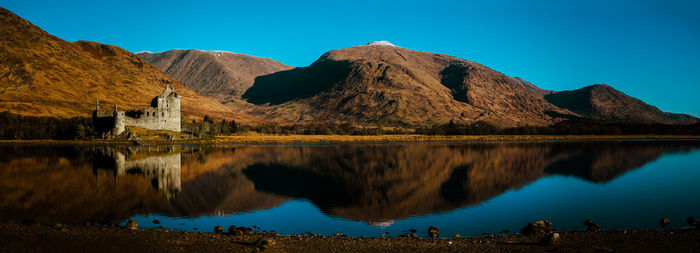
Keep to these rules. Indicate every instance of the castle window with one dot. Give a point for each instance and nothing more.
(162, 114)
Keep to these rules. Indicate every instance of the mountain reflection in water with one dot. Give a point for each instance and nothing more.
(374, 183)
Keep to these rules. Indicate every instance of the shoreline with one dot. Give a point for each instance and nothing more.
(349, 139)
(17, 237)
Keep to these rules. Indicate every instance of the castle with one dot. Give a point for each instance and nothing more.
(163, 114)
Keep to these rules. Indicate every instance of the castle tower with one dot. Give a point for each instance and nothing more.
(119, 125)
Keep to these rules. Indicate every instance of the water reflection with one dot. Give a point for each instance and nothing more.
(373, 183)
(385, 182)
(159, 165)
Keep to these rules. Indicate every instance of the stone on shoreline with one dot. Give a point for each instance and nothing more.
(692, 221)
(265, 243)
(132, 224)
(218, 229)
(156, 221)
(233, 230)
(592, 226)
(433, 232)
(550, 239)
(665, 221)
(540, 227)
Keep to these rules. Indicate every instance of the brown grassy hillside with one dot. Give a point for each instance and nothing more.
(43, 75)
(605, 103)
(221, 75)
(395, 85)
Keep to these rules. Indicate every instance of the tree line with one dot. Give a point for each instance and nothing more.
(17, 127)
(568, 127)
(207, 127)
(13, 126)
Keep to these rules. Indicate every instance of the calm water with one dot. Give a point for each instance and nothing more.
(360, 190)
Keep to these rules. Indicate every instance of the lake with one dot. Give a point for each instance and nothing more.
(356, 189)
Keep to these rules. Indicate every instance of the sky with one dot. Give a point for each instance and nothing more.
(649, 49)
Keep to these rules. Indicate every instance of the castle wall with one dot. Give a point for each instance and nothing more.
(152, 118)
(164, 114)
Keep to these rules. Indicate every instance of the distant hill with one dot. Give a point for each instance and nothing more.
(386, 84)
(604, 103)
(216, 74)
(43, 75)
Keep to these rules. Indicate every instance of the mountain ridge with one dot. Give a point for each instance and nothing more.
(388, 84)
(221, 75)
(48, 76)
(605, 103)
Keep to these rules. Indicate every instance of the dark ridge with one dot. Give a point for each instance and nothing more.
(453, 78)
(576, 100)
(297, 183)
(298, 83)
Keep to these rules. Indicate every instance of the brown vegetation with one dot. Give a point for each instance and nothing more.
(389, 85)
(43, 75)
(604, 103)
(224, 76)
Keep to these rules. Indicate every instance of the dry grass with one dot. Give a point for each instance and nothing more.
(423, 138)
(156, 135)
(320, 139)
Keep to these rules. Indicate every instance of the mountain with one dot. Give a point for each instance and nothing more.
(216, 74)
(385, 84)
(605, 103)
(43, 75)
(681, 118)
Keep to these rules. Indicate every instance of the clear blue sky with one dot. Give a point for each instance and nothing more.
(647, 49)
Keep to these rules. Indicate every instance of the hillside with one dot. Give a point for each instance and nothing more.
(43, 75)
(217, 74)
(386, 84)
(605, 103)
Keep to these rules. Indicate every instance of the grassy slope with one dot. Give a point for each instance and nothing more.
(66, 78)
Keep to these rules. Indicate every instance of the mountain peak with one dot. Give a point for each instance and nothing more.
(380, 43)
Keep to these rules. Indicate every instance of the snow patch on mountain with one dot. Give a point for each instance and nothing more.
(381, 43)
(217, 52)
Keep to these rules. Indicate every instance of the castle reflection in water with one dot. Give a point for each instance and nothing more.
(160, 165)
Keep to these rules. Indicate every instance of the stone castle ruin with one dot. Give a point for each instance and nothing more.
(163, 114)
